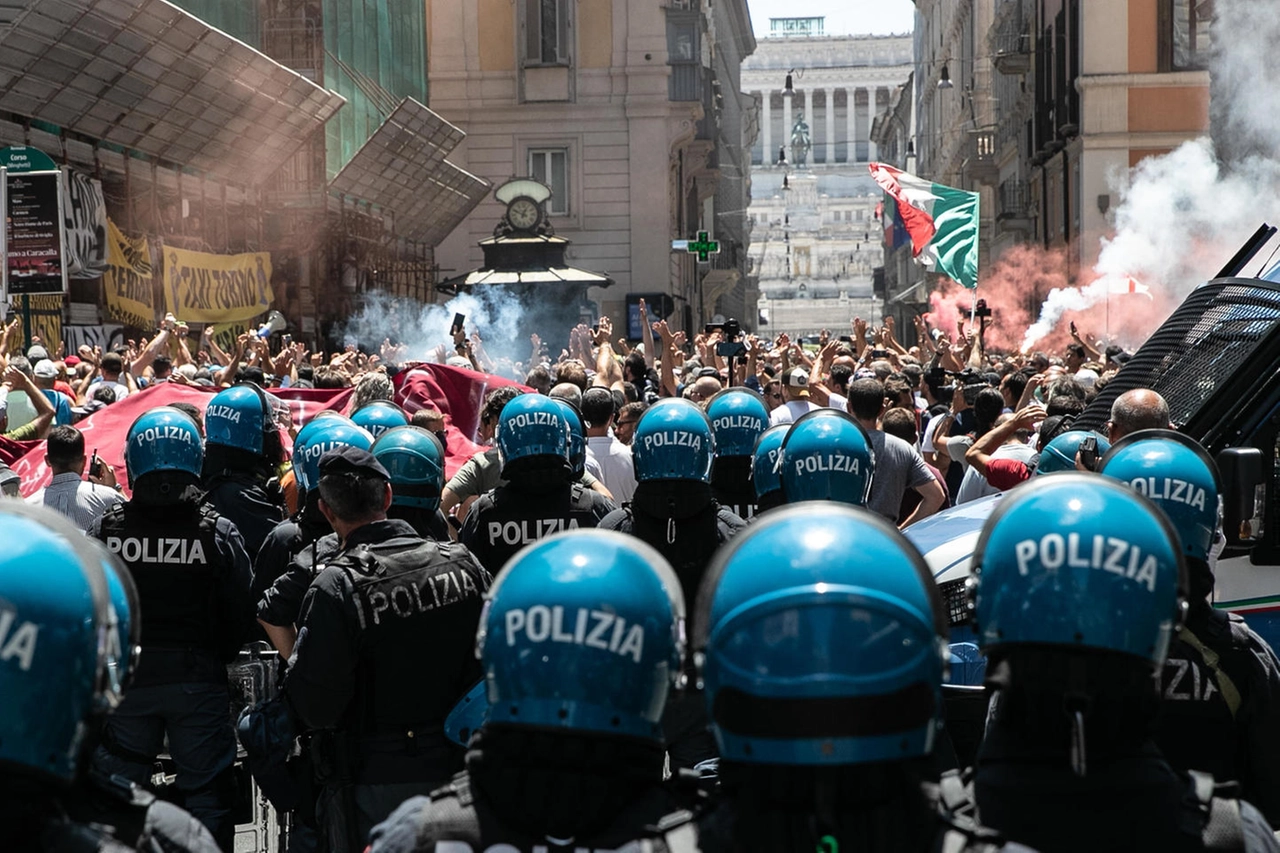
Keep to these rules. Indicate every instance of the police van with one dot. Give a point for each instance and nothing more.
(1216, 360)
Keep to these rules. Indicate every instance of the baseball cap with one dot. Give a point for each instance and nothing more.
(351, 460)
(797, 378)
(72, 361)
(37, 353)
(45, 369)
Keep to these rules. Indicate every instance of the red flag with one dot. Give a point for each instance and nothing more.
(459, 394)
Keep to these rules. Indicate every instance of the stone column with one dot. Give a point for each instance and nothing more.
(831, 125)
(766, 130)
(851, 136)
(864, 124)
(786, 124)
(872, 108)
(808, 118)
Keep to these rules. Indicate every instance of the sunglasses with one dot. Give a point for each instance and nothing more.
(625, 423)
(774, 396)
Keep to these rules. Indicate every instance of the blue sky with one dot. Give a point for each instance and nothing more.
(843, 16)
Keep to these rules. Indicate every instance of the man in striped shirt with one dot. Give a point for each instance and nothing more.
(82, 502)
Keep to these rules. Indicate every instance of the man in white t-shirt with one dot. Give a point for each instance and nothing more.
(795, 385)
(617, 470)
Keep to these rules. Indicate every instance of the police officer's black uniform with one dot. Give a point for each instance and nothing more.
(535, 791)
(385, 649)
(537, 501)
(732, 487)
(1221, 692)
(684, 523)
(875, 808)
(285, 541)
(136, 817)
(192, 576)
(254, 507)
(1129, 798)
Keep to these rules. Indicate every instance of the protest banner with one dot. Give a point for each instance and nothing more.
(127, 282)
(204, 288)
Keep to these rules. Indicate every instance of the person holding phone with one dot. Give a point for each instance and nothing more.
(82, 502)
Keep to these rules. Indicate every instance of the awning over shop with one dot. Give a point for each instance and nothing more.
(525, 259)
(145, 75)
(401, 168)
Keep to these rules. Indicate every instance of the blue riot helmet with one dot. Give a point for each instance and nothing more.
(127, 616)
(378, 417)
(163, 439)
(314, 441)
(577, 437)
(583, 631)
(673, 441)
(765, 472)
(738, 417)
(820, 638)
(239, 417)
(56, 642)
(532, 425)
(1060, 453)
(827, 456)
(1176, 473)
(1078, 561)
(415, 460)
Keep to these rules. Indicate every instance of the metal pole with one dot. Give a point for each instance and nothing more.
(26, 321)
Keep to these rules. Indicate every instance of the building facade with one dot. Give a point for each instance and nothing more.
(816, 243)
(1049, 102)
(630, 112)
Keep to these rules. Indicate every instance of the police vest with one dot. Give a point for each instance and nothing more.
(459, 822)
(417, 604)
(176, 566)
(732, 487)
(1206, 680)
(687, 543)
(507, 519)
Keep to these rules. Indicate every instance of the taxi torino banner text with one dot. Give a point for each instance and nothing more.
(204, 288)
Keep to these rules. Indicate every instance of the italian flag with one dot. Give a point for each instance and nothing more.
(942, 222)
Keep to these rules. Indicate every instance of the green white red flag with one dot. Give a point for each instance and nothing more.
(942, 222)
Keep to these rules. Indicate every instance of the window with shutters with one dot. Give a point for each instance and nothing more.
(548, 29)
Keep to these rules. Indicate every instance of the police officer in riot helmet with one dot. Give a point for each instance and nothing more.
(1221, 682)
(379, 416)
(242, 454)
(674, 511)
(1080, 583)
(766, 480)
(822, 644)
(541, 495)
(580, 642)
(415, 460)
(68, 642)
(358, 680)
(286, 564)
(826, 456)
(739, 417)
(192, 576)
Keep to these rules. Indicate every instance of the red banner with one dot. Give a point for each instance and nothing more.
(457, 393)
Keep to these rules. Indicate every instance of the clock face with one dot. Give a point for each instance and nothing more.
(523, 213)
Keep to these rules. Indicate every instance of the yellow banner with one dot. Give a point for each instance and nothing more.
(46, 320)
(204, 288)
(127, 281)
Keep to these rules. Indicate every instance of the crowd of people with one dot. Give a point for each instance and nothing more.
(666, 605)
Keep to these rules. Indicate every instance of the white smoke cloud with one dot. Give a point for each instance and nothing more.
(422, 328)
(1181, 216)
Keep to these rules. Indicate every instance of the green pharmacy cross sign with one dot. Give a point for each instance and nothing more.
(703, 247)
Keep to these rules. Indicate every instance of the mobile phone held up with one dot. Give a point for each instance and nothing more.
(1089, 453)
(459, 323)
